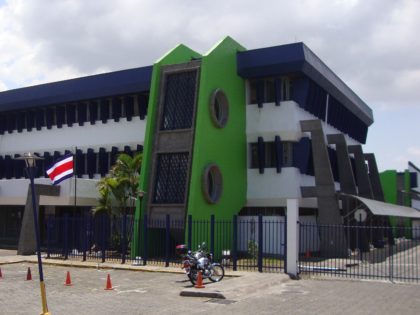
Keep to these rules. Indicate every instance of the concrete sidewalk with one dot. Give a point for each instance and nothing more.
(9, 257)
(245, 285)
(157, 291)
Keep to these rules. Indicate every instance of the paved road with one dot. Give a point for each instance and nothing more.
(158, 293)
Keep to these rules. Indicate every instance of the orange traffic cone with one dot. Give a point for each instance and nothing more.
(68, 279)
(108, 283)
(28, 274)
(199, 284)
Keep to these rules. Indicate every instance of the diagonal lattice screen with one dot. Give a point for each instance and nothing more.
(178, 107)
(171, 178)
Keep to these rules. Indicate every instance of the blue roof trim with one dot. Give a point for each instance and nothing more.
(298, 58)
(95, 86)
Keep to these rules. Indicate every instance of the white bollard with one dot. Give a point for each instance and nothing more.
(292, 237)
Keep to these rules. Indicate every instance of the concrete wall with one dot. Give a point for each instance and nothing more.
(271, 120)
(66, 138)
(14, 192)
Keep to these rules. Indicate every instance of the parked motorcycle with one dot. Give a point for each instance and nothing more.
(200, 261)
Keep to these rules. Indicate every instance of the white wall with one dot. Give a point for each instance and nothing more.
(272, 188)
(283, 120)
(14, 192)
(415, 203)
(416, 229)
(66, 138)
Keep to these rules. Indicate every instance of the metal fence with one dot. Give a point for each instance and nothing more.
(242, 243)
(368, 252)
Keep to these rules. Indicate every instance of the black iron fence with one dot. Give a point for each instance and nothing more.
(368, 252)
(241, 243)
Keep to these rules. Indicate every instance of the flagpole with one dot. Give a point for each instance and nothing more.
(75, 191)
(75, 177)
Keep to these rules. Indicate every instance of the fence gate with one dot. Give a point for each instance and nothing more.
(256, 243)
(391, 254)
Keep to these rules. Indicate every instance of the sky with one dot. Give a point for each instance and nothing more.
(372, 46)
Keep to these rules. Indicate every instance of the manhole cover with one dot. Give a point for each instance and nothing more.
(221, 301)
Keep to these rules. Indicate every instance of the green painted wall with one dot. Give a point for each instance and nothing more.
(407, 202)
(390, 188)
(180, 54)
(407, 188)
(224, 146)
(389, 185)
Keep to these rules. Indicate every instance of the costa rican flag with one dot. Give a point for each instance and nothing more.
(61, 170)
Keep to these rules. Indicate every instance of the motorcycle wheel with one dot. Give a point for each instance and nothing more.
(193, 276)
(217, 272)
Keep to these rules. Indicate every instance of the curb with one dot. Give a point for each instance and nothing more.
(206, 294)
(95, 265)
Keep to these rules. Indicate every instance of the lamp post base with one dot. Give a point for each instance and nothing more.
(44, 300)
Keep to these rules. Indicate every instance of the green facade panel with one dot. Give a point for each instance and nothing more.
(389, 185)
(225, 147)
(222, 146)
(180, 54)
(389, 182)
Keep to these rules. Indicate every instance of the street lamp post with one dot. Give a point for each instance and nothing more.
(30, 160)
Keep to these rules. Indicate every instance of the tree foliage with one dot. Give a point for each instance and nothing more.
(119, 190)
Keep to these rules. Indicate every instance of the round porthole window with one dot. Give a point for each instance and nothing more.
(219, 108)
(212, 183)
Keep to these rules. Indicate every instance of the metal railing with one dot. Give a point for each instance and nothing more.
(242, 243)
(370, 252)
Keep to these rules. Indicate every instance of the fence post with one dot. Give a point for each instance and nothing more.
(212, 235)
(260, 243)
(66, 236)
(285, 243)
(359, 239)
(292, 254)
(390, 252)
(190, 223)
(103, 249)
(85, 234)
(167, 241)
(49, 227)
(235, 243)
(145, 240)
(123, 238)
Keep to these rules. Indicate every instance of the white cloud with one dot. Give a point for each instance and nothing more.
(3, 86)
(372, 45)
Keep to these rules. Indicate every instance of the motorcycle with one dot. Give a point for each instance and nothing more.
(200, 261)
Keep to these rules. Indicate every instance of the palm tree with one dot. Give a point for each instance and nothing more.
(121, 186)
(127, 173)
(118, 192)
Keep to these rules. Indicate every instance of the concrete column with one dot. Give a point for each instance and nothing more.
(292, 237)
(374, 178)
(347, 181)
(378, 194)
(27, 243)
(332, 244)
(363, 181)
